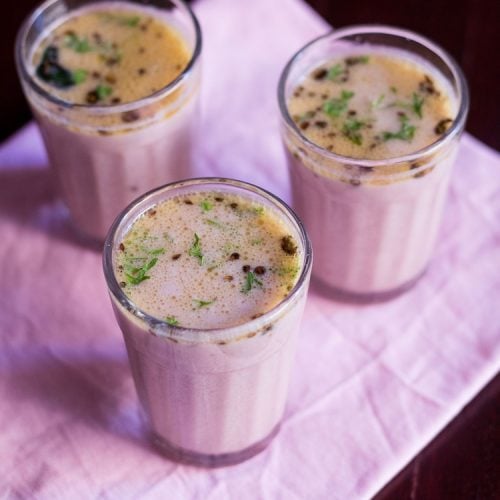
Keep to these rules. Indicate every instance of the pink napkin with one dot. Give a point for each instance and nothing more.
(371, 385)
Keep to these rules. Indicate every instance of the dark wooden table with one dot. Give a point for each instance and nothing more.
(463, 462)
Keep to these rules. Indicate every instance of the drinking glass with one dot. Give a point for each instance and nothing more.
(372, 223)
(212, 397)
(104, 156)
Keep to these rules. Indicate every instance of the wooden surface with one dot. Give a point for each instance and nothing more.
(462, 463)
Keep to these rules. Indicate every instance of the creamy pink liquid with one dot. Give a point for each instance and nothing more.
(213, 398)
(99, 176)
(370, 239)
(373, 229)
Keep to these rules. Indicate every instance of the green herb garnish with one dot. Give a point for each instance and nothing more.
(171, 320)
(79, 76)
(203, 303)
(351, 129)
(103, 91)
(250, 282)
(206, 206)
(138, 274)
(123, 20)
(213, 222)
(378, 101)
(80, 45)
(405, 132)
(335, 107)
(335, 71)
(415, 105)
(130, 21)
(351, 61)
(394, 90)
(195, 250)
(157, 251)
(417, 102)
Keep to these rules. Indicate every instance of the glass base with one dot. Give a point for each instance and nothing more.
(340, 295)
(203, 460)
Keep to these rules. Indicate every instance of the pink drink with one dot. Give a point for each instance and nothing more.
(211, 327)
(371, 132)
(114, 88)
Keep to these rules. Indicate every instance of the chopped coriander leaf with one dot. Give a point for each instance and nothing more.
(137, 275)
(415, 105)
(335, 71)
(195, 250)
(378, 101)
(258, 210)
(79, 76)
(394, 90)
(417, 102)
(80, 45)
(250, 282)
(351, 61)
(157, 251)
(351, 129)
(203, 303)
(172, 320)
(405, 132)
(103, 91)
(120, 19)
(213, 222)
(130, 21)
(336, 106)
(206, 206)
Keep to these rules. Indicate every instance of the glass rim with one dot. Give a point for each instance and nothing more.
(177, 331)
(461, 83)
(109, 108)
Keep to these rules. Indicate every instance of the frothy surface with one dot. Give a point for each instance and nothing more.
(208, 260)
(372, 106)
(109, 55)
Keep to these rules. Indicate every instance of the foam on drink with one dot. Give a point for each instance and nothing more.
(209, 260)
(106, 56)
(372, 105)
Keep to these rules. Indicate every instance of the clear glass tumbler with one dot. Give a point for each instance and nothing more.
(106, 155)
(373, 223)
(212, 397)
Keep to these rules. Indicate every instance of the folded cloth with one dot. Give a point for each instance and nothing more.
(371, 384)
